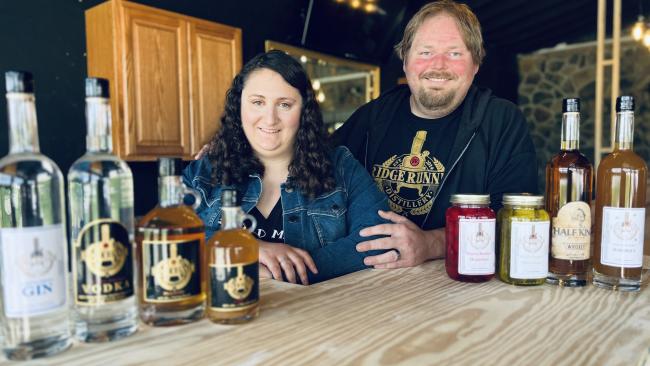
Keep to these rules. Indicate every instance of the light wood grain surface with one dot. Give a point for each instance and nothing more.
(414, 316)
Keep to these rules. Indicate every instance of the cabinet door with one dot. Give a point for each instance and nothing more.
(215, 54)
(157, 88)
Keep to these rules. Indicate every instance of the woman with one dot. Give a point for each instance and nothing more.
(310, 202)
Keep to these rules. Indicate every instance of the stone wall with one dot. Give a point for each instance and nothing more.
(550, 75)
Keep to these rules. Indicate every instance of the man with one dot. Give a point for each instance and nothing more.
(438, 136)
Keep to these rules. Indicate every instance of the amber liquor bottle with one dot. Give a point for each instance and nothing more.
(233, 257)
(569, 177)
(620, 208)
(170, 254)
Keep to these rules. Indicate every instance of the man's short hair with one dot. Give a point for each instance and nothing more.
(468, 24)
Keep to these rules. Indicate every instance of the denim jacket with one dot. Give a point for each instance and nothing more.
(327, 227)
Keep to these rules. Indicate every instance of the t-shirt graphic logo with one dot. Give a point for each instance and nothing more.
(410, 180)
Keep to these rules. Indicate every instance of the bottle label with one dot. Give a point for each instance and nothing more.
(33, 270)
(622, 237)
(103, 263)
(571, 233)
(476, 246)
(529, 249)
(172, 269)
(234, 286)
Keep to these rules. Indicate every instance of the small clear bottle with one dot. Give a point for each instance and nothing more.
(170, 252)
(525, 229)
(100, 191)
(33, 245)
(233, 257)
(470, 238)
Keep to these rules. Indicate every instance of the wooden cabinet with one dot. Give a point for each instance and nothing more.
(169, 74)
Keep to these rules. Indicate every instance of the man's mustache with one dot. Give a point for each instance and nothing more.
(438, 75)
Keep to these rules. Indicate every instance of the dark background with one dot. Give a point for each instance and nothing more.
(47, 38)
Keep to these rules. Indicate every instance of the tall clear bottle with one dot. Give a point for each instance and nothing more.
(569, 177)
(100, 191)
(620, 208)
(33, 245)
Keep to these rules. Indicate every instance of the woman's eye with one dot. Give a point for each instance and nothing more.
(285, 105)
(257, 102)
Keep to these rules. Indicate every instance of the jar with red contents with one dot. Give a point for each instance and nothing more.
(470, 237)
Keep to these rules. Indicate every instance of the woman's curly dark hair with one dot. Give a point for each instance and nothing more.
(231, 154)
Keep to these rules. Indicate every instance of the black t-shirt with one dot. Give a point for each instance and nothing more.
(270, 228)
(412, 160)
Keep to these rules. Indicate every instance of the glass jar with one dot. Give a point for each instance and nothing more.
(470, 234)
(525, 228)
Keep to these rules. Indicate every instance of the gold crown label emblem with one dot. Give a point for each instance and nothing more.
(106, 256)
(239, 287)
(174, 272)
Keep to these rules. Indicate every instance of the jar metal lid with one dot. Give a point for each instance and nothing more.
(522, 199)
(471, 199)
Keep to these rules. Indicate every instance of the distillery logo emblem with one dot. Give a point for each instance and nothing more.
(410, 180)
(107, 256)
(481, 239)
(37, 262)
(533, 241)
(626, 229)
(239, 287)
(174, 272)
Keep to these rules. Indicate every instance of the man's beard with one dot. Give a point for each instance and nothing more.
(435, 99)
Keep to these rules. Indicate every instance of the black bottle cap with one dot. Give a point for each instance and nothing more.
(570, 105)
(625, 103)
(169, 167)
(19, 82)
(229, 198)
(97, 87)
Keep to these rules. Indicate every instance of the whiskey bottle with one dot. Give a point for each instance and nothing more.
(569, 180)
(33, 244)
(170, 254)
(233, 257)
(620, 208)
(100, 191)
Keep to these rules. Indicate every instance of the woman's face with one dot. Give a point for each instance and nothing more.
(270, 114)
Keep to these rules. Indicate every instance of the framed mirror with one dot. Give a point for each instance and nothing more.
(341, 85)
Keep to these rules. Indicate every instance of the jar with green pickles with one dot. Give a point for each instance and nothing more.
(524, 233)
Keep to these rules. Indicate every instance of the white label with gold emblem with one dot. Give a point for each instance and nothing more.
(33, 273)
(529, 249)
(622, 237)
(476, 246)
(571, 233)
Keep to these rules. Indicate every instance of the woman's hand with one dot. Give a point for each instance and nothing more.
(264, 272)
(280, 258)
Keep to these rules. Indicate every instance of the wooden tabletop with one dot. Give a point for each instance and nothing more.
(412, 316)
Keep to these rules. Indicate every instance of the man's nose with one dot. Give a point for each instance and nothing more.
(438, 61)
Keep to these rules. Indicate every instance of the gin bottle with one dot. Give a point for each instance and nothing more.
(100, 191)
(33, 248)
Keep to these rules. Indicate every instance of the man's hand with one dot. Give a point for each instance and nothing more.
(412, 245)
(280, 258)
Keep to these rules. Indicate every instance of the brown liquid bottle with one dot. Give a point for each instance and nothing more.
(620, 209)
(233, 266)
(170, 254)
(569, 177)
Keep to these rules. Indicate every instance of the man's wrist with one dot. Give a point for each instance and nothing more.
(436, 243)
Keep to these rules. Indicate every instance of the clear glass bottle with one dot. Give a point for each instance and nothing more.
(233, 258)
(33, 245)
(100, 192)
(569, 178)
(524, 226)
(170, 253)
(620, 209)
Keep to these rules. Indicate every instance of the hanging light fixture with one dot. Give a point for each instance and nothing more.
(638, 29)
(646, 38)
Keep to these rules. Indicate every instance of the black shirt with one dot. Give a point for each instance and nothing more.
(412, 160)
(270, 228)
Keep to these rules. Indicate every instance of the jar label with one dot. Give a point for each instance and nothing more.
(476, 246)
(571, 233)
(234, 286)
(33, 270)
(103, 263)
(529, 249)
(622, 237)
(172, 269)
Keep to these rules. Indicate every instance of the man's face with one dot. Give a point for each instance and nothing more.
(438, 67)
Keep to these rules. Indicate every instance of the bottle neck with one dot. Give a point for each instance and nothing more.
(231, 218)
(570, 131)
(23, 128)
(624, 130)
(170, 191)
(98, 121)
